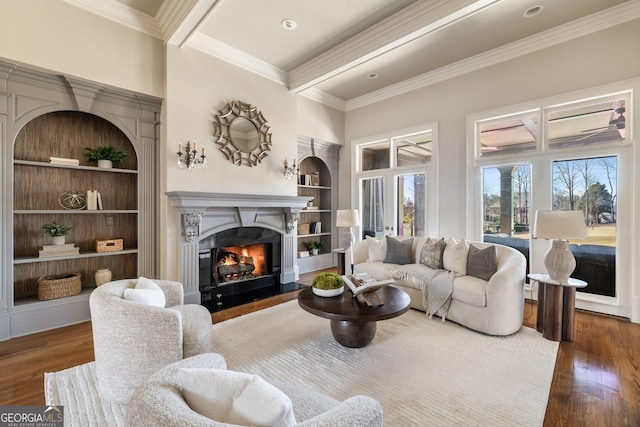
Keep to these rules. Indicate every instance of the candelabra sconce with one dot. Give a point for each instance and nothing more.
(189, 158)
(290, 171)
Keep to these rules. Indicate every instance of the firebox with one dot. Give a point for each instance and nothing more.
(239, 265)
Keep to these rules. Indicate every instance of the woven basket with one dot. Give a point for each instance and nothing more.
(60, 286)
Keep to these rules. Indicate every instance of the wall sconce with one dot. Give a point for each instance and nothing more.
(189, 159)
(290, 171)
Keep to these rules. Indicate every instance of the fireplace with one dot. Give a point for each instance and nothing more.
(222, 221)
(240, 265)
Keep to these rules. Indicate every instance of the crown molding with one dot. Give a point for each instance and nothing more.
(408, 24)
(171, 16)
(121, 14)
(590, 24)
(238, 58)
(324, 98)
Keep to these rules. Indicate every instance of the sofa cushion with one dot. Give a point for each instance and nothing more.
(398, 252)
(482, 263)
(431, 253)
(377, 249)
(470, 290)
(455, 256)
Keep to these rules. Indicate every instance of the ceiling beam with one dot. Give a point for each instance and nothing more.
(414, 21)
(190, 18)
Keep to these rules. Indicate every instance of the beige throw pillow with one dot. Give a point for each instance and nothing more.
(146, 292)
(377, 249)
(235, 398)
(455, 256)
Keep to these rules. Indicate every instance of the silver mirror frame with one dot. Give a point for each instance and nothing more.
(222, 133)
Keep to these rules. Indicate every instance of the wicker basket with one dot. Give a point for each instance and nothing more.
(60, 286)
(112, 245)
(303, 229)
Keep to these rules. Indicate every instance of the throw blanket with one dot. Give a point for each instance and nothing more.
(436, 285)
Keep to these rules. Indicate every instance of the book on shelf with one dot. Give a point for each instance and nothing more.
(94, 200)
(311, 208)
(64, 161)
(315, 227)
(363, 283)
(303, 254)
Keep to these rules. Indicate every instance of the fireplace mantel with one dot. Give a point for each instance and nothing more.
(204, 214)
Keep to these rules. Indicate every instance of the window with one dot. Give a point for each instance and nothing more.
(562, 154)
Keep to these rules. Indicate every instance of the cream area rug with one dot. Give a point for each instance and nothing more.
(423, 371)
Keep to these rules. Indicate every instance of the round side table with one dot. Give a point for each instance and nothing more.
(556, 306)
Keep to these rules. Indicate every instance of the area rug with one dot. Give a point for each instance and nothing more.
(423, 371)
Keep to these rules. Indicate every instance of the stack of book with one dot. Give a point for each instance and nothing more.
(59, 250)
(94, 200)
(64, 161)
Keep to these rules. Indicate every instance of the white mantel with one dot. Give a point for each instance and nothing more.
(204, 214)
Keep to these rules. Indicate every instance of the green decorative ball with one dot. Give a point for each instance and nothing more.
(328, 281)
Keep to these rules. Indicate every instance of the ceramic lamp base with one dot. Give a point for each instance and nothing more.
(559, 261)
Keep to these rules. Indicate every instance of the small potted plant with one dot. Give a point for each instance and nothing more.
(57, 232)
(328, 285)
(105, 155)
(314, 246)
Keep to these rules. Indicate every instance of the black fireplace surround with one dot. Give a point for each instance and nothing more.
(240, 265)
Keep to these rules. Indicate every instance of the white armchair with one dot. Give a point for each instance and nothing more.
(132, 340)
(159, 401)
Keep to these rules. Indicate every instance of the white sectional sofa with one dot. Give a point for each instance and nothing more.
(494, 306)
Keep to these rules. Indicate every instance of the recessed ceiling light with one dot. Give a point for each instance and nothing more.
(372, 76)
(288, 24)
(532, 11)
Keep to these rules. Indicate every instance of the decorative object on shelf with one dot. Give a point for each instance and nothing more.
(189, 159)
(103, 275)
(57, 232)
(242, 133)
(59, 286)
(94, 200)
(560, 226)
(110, 245)
(63, 249)
(328, 285)
(105, 155)
(315, 179)
(64, 161)
(303, 229)
(314, 246)
(348, 218)
(73, 200)
(290, 171)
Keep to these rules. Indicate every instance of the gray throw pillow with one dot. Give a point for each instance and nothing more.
(482, 263)
(398, 252)
(431, 254)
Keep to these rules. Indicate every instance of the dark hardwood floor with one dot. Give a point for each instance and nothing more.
(596, 381)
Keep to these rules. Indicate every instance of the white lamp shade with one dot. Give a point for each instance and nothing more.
(347, 218)
(563, 225)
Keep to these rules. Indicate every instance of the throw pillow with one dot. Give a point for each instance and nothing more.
(455, 256)
(398, 252)
(235, 398)
(377, 249)
(431, 253)
(482, 263)
(146, 292)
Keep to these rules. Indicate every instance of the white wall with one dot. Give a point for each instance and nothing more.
(59, 37)
(319, 121)
(598, 59)
(197, 87)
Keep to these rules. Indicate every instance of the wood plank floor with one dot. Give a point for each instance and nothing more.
(596, 381)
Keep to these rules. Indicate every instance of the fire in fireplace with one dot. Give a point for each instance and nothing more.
(239, 262)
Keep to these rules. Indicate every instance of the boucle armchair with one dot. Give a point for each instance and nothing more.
(160, 402)
(133, 340)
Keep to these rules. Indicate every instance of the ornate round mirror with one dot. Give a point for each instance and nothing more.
(242, 133)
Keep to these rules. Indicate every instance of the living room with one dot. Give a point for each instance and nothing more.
(193, 85)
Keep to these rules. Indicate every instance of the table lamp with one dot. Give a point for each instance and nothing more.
(348, 218)
(560, 226)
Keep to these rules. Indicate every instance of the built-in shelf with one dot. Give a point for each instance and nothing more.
(34, 302)
(74, 211)
(86, 168)
(26, 260)
(317, 187)
(314, 235)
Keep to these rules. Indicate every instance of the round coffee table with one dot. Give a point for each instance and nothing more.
(353, 323)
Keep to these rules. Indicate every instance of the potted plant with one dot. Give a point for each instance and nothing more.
(57, 232)
(328, 284)
(314, 246)
(105, 155)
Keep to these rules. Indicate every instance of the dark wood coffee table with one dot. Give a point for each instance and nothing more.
(353, 323)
